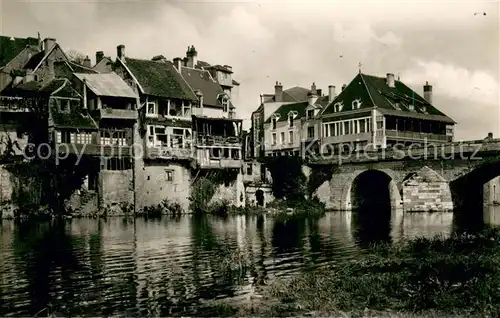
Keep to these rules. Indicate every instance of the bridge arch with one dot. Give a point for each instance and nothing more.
(372, 186)
(467, 190)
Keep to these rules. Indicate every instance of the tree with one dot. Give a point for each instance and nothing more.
(76, 56)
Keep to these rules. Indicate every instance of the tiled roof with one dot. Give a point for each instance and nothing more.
(11, 47)
(295, 94)
(202, 64)
(62, 69)
(374, 91)
(286, 108)
(53, 85)
(108, 84)
(30, 86)
(75, 119)
(201, 79)
(159, 79)
(220, 68)
(77, 68)
(322, 101)
(59, 87)
(34, 61)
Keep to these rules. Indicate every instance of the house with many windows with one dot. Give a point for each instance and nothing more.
(165, 109)
(380, 112)
(293, 125)
(217, 136)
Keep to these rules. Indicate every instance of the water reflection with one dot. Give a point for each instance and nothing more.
(372, 225)
(164, 267)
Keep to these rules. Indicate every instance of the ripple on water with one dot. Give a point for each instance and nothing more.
(96, 267)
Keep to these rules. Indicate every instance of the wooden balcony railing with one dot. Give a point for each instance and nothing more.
(169, 153)
(112, 113)
(416, 135)
(95, 149)
(222, 164)
(13, 104)
(206, 140)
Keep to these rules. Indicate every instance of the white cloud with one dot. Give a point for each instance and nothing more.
(455, 82)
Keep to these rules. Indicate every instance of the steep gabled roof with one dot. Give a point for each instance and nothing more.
(159, 78)
(219, 68)
(203, 81)
(81, 69)
(373, 91)
(322, 101)
(107, 84)
(11, 47)
(296, 93)
(293, 94)
(283, 111)
(34, 61)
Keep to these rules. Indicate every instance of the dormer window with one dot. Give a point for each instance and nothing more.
(310, 113)
(337, 107)
(151, 108)
(356, 104)
(274, 120)
(291, 117)
(225, 104)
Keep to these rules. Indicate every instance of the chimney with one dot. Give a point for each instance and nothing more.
(312, 98)
(428, 92)
(178, 63)
(331, 93)
(490, 135)
(86, 62)
(278, 92)
(199, 94)
(99, 55)
(191, 55)
(120, 51)
(390, 80)
(344, 86)
(319, 92)
(313, 89)
(48, 44)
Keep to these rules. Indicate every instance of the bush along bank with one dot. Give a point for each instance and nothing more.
(456, 276)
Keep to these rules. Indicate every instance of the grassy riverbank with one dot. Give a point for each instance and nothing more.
(457, 276)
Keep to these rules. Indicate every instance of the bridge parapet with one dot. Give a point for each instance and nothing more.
(467, 150)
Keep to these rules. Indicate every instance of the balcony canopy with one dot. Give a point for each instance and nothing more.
(108, 84)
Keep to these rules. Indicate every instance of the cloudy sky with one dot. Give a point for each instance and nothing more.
(451, 44)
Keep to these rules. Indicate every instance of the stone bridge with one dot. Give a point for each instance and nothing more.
(428, 178)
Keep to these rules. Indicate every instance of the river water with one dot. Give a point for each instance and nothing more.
(163, 267)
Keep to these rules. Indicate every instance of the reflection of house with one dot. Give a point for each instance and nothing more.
(382, 112)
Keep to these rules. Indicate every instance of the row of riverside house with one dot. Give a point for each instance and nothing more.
(143, 130)
(369, 113)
